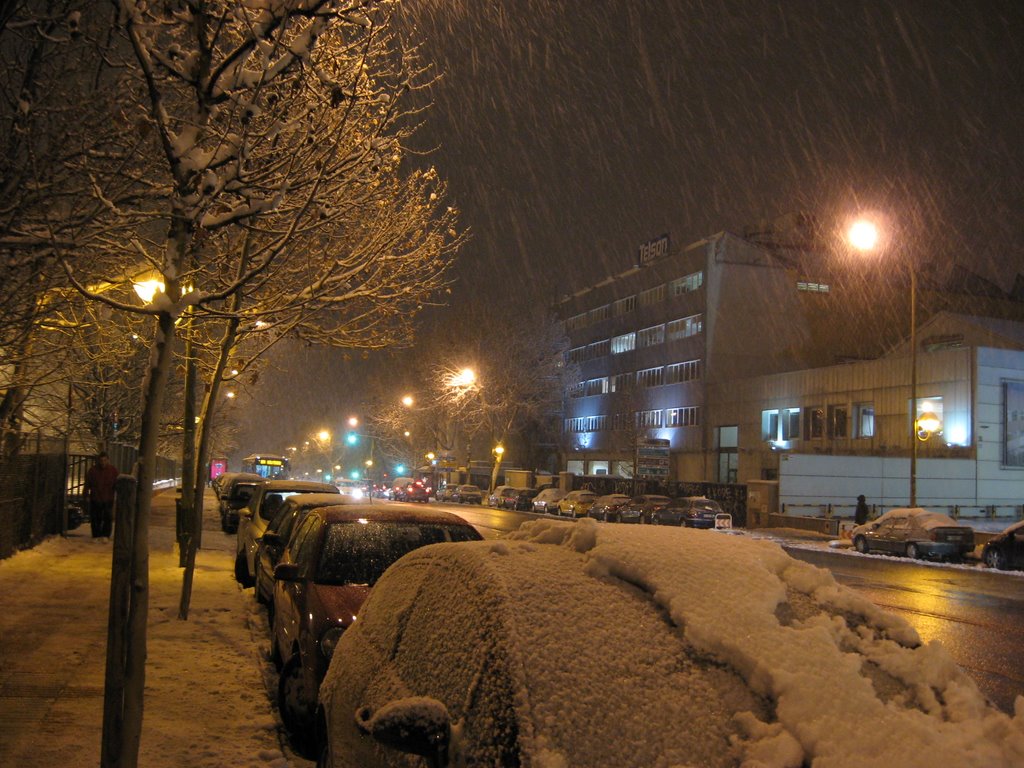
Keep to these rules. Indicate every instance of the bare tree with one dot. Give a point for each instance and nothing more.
(255, 167)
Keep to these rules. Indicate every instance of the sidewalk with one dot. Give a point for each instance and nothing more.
(206, 702)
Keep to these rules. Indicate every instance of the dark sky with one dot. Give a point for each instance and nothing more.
(571, 132)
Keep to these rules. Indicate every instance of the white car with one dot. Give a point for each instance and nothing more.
(590, 645)
(547, 500)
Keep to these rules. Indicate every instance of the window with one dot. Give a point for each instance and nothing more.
(598, 314)
(596, 386)
(576, 322)
(803, 285)
(686, 284)
(597, 423)
(652, 295)
(837, 421)
(624, 306)
(648, 337)
(685, 327)
(791, 424)
(576, 390)
(814, 422)
(597, 349)
(577, 354)
(677, 372)
(623, 382)
(688, 416)
(864, 420)
(650, 377)
(624, 343)
(1013, 423)
(648, 419)
(770, 425)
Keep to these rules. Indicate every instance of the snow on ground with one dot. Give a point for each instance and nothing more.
(206, 702)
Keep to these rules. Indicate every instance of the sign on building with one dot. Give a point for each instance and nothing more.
(653, 250)
(652, 458)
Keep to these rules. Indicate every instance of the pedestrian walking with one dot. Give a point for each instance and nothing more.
(99, 495)
(860, 514)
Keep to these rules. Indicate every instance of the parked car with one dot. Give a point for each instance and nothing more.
(640, 509)
(914, 532)
(1006, 550)
(691, 511)
(494, 497)
(354, 488)
(417, 490)
(467, 494)
(547, 499)
(460, 656)
(606, 505)
(335, 555)
(275, 538)
(576, 503)
(234, 489)
(266, 500)
(521, 500)
(445, 493)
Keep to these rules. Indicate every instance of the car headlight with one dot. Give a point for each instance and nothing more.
(329, 639)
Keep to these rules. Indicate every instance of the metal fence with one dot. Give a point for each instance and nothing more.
(37, 488)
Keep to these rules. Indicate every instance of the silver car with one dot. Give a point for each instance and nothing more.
(915, 533)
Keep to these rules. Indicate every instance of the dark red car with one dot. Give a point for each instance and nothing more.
(333, 558)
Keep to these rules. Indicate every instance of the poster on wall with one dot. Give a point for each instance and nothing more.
(1013, 423)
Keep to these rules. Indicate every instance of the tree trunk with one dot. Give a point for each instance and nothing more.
(123, 750)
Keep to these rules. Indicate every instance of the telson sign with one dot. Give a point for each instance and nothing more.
(653, 250)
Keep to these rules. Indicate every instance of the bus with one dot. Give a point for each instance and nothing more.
(266, 465)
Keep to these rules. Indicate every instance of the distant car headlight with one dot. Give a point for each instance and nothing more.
(329, 639)
(357, 493)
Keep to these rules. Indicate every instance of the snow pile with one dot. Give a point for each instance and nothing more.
(847, 683)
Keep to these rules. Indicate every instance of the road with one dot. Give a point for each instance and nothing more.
(977, 614)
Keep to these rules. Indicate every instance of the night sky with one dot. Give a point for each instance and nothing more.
(572, 132)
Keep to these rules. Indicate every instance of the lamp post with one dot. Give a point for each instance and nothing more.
(863, 235)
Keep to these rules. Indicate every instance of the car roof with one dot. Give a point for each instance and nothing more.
(667, 621)
(298, 485)
(387, 513)
(318, 499)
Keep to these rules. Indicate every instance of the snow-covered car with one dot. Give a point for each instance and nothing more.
(495, 497)
(914, 532)
(606, 505)
(234, 489)
(691, 511)
(336, 554)
(547, 499)
(1006, 549)
(684, 649)
(467, 494)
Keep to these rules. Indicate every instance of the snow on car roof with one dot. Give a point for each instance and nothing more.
(924, 518)
(836, 680)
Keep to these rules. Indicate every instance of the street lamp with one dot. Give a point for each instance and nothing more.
(864, 235)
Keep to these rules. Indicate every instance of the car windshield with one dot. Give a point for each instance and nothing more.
(706, 506)
(359, 552)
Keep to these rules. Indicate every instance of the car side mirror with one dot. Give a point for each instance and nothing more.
(288, 572)
(272, 538)
(417, 725)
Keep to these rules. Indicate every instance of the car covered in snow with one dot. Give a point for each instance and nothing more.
(547, 499)
(914, 532)
(333, 558)
(589, 645)
(1005, 550)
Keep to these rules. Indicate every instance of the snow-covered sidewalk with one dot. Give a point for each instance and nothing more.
(206, 700)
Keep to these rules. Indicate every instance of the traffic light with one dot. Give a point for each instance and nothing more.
(351, 438)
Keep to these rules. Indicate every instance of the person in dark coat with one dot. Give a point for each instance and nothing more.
(99, 495)
(860, 514)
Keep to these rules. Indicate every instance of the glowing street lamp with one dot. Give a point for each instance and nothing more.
(323, 436)
(408, 401)
(864, 235)
(147, 289)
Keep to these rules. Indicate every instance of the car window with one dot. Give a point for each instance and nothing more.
(359, 552)
(303, 547)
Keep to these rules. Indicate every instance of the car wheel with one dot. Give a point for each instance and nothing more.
(995, 559)
(861, 545)
(242, 571)
(297, 706)
(912, 551)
